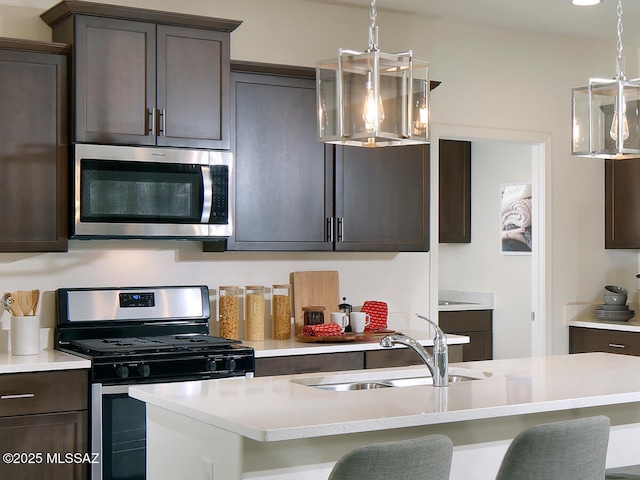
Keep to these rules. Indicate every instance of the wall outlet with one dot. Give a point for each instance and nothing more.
(207, 468)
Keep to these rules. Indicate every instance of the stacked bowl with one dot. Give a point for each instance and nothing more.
(615, 308)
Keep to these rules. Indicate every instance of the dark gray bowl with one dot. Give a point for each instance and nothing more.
(615, 290)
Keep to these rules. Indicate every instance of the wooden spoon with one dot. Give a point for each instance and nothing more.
(35, 296)
(25, 302)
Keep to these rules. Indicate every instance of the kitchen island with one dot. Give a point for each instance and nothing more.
(284, 428)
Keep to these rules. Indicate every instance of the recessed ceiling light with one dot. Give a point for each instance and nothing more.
(583, 3)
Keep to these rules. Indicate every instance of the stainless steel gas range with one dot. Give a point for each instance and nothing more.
(136, 335)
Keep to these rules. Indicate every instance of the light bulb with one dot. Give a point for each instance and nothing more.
(422, 117)
(371, 109)
(613, 132)
(576, 134)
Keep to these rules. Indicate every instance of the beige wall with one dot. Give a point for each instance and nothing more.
(497, 79)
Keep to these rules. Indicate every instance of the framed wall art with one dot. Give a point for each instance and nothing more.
(515, 219)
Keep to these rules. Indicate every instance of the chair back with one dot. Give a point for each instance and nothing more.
(423, 458)
(568, 450)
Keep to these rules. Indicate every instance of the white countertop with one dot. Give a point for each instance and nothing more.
(456, 300)
(46, 360)
(632, 325)
(275, 408)
(283, 348)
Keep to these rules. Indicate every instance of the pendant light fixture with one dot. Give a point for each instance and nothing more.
(373, 99)
(605, 120)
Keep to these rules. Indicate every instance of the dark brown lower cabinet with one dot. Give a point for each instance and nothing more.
(582, 340)
(52, 446)
(334, 362)
(44, 425)
(475, 324)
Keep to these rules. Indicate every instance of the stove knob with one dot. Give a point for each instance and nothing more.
(231, 364)
(144, 370)
(211, 365)
(122, 371)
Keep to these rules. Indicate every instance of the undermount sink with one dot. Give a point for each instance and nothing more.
(351, 383)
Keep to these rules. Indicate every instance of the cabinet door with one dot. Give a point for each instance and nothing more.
(281, 170)
(115, 78)
(33, 152)
(193, 87)
(475, 324)
(44, 441)
(454, 191)
(382, 198)
(622, 204)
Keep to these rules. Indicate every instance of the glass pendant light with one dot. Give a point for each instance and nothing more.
(605, 120)
(373, 99)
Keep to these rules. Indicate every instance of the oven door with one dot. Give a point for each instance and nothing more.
(138, 192)
(118, 434)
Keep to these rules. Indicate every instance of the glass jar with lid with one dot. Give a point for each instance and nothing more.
(254, 306)
(313, 315)
(281, 311)
(229, 311)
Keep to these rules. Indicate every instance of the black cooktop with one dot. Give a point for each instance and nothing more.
(139, 345)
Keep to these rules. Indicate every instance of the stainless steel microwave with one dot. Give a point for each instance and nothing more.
(146, 192)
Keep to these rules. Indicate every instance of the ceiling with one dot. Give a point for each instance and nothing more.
(542, 16)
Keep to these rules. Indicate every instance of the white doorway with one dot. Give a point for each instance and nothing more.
(538, 145)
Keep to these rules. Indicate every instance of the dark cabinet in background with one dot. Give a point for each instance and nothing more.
(145, 77)
(475, 324)
(382, 199)
(281, 170)
(454, 191)
(340, 361)
(582, 340)
(45, 413)
(622, 203)
(33, 146)
(294, 193)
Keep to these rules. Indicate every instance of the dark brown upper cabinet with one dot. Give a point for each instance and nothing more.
(454, 191)
(382, 199)
(294, 193)
(33, 146)
(622, 203)
(144, 77)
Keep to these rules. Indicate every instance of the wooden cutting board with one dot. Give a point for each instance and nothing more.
(314, 288)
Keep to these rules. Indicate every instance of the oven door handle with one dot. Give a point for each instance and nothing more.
(207, 193)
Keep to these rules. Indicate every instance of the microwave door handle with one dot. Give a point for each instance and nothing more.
(207, 194)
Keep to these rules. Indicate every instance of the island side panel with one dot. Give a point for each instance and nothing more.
(178, 446)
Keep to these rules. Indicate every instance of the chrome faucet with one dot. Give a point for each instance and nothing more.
(438, 364)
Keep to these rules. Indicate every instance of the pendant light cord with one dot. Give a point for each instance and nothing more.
(373, 28)
(620, 59)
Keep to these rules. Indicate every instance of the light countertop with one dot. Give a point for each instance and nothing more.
(583, 315)
(632, 325)
(276, 408)
(457, 300)
(283, 348)
(46, 360)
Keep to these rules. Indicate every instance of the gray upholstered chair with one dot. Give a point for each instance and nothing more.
(423, 458)
(569, 450)
(630, 472)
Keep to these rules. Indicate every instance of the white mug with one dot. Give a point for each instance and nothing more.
(359, 320)
(340, 318)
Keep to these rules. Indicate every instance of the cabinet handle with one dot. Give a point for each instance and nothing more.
(617, 345)
(18, 395)
(340, 227)
(153, 113)
(329, 235)
(163, 121)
